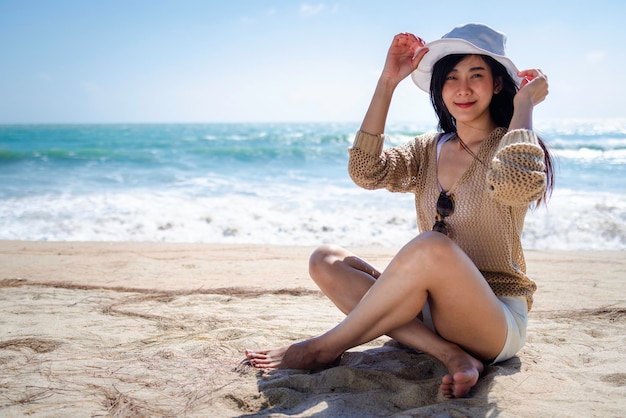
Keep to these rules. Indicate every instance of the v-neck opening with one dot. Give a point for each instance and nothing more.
(443, 138)
(440, 142)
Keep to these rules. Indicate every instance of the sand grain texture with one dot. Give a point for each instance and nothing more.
(147, 329)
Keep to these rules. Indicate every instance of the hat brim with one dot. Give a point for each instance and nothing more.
(443, 47)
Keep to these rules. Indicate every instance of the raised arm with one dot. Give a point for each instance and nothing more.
(533, 90)
(401, 61)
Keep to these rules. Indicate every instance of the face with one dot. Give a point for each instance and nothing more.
(468, 89)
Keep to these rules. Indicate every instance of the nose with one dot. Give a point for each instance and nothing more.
(463, 87)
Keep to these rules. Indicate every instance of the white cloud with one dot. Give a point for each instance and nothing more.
(309, 10)
(595, 57)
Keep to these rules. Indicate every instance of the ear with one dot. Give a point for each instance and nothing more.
(497, 85)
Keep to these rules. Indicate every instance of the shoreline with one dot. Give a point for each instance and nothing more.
(157, 265)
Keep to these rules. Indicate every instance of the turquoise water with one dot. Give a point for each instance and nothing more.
(267, 183)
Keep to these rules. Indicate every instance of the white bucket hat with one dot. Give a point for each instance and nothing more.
(472, 38)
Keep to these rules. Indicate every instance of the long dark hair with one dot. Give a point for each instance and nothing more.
(500, 108)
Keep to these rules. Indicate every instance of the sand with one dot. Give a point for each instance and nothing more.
(153, 329)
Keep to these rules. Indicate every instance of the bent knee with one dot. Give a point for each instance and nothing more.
(432, 245)
(323, 257)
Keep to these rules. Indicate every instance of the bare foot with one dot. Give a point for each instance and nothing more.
(464, 371)
(297, 356)
(266, 359)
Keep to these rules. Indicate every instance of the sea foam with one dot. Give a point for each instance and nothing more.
(284, 184)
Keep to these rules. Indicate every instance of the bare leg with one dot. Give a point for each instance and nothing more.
(429, 266)
(345, 278)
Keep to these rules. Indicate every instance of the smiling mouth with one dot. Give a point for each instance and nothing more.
(465, 105)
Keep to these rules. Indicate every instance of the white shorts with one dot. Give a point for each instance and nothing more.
(516, 312)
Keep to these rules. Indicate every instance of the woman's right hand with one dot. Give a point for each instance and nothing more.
(401, 61)
(401, 58)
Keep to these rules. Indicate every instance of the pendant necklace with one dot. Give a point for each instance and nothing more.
(469, 151)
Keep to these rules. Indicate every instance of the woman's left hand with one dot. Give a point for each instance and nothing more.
(533, 88)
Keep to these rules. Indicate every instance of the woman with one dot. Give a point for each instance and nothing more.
(458, 291)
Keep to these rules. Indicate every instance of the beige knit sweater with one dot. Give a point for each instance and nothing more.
(490, 202)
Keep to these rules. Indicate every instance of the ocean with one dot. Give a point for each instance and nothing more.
(284, 184)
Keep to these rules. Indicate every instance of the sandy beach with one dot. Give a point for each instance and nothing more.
(154, 329)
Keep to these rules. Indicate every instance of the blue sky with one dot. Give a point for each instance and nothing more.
(110, 61)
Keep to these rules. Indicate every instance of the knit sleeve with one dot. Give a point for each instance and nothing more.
(517, 175)
(371, 167)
